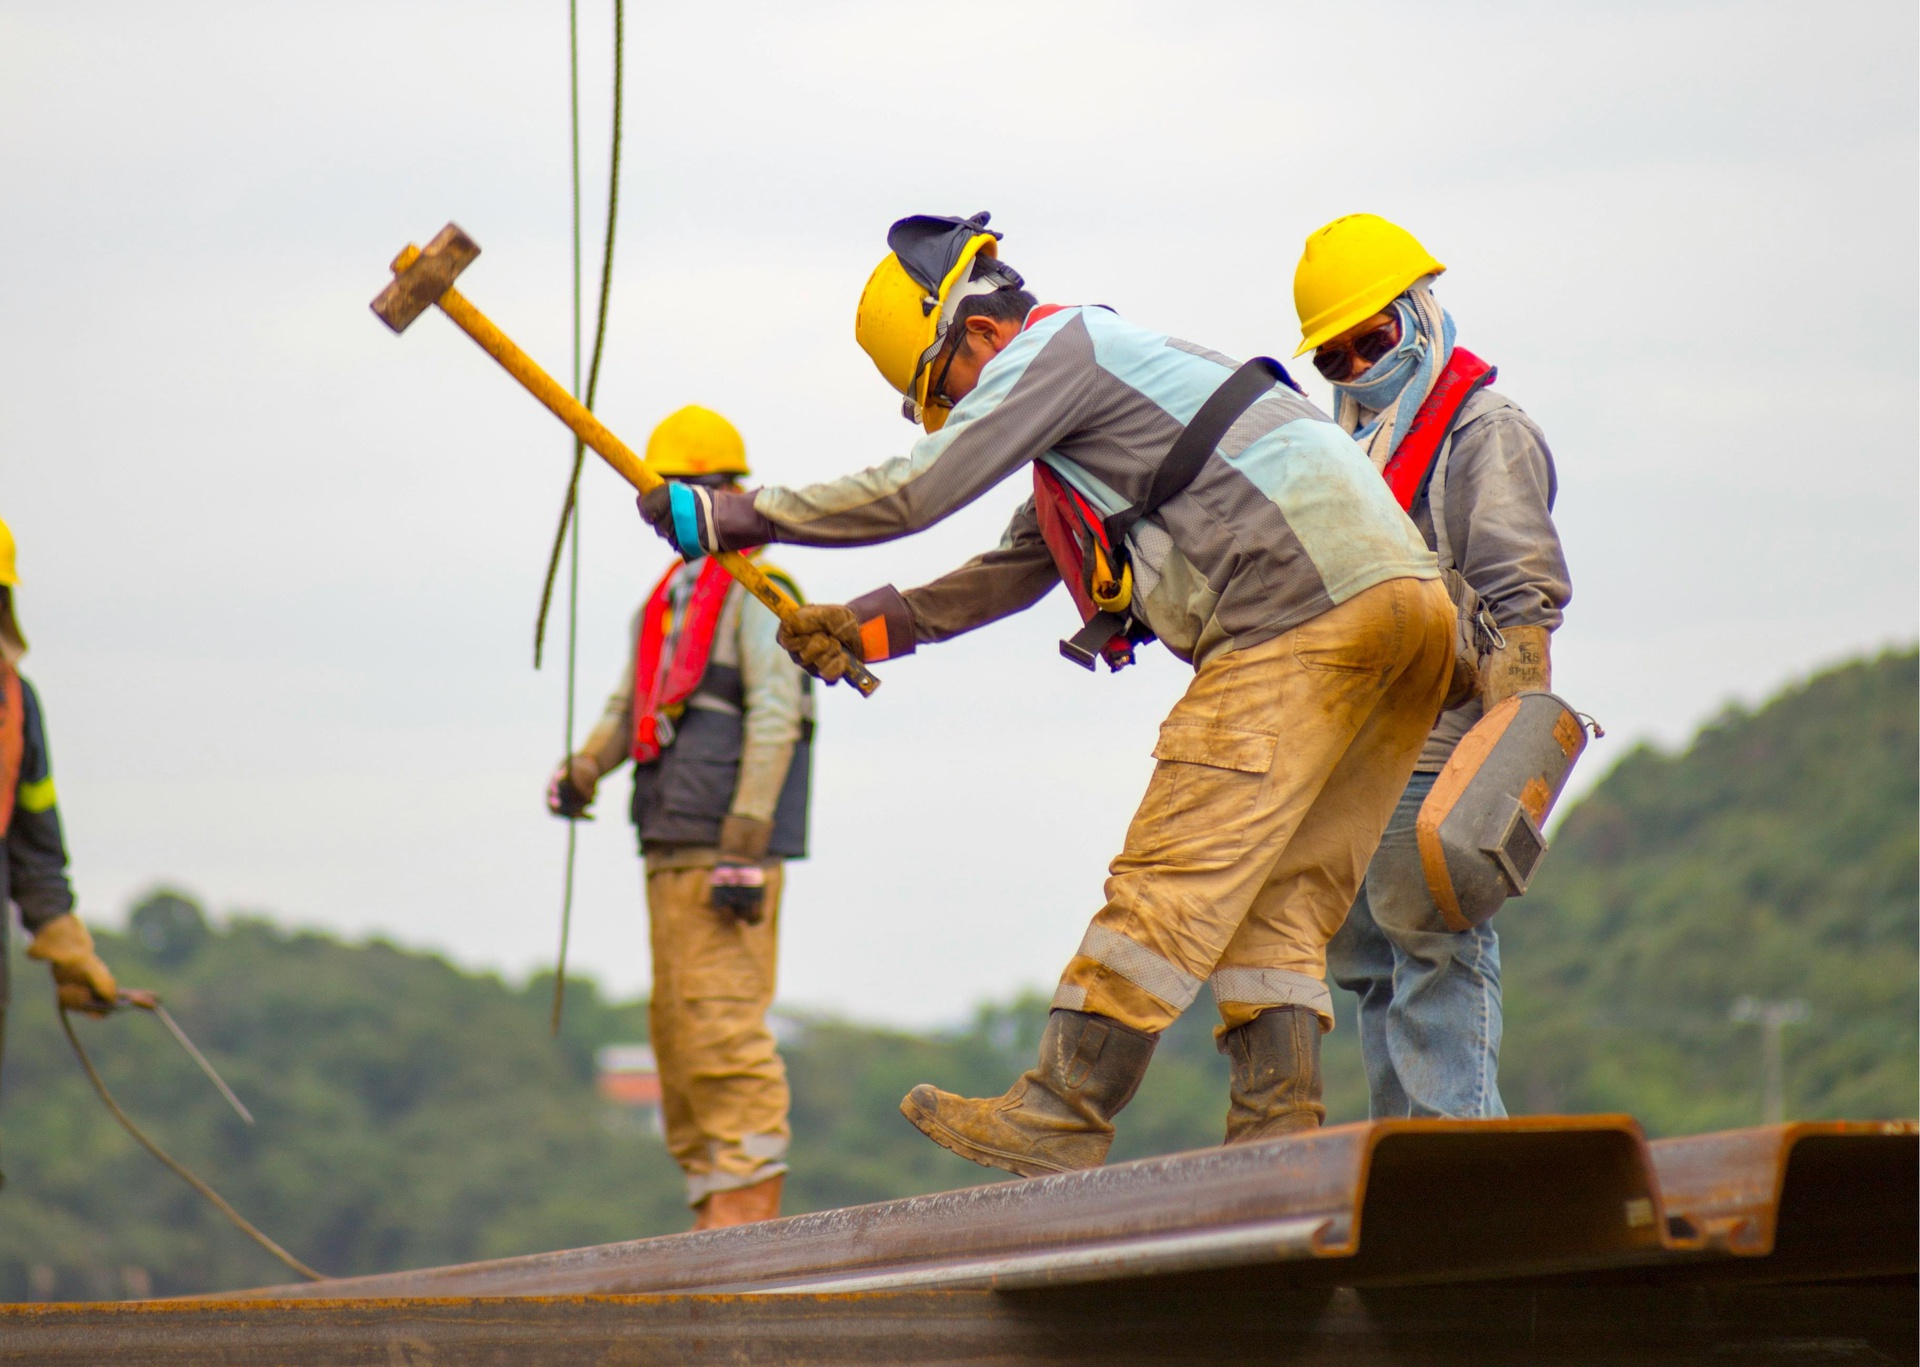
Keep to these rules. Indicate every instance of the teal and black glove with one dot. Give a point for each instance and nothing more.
(683, 515)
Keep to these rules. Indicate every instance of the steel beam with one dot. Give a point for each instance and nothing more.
(1437, 1201)
(1471, 1326)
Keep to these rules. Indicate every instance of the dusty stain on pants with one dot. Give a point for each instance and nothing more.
(723, 1087)
(1276, 774)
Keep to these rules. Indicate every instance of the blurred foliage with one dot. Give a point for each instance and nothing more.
(1776, 858)
(412, 1114)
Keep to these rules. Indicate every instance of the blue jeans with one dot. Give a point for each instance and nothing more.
(1429, 996)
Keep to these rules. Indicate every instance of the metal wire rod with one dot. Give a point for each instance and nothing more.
(244, 1225)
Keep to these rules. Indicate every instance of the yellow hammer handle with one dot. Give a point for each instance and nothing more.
(609, 447)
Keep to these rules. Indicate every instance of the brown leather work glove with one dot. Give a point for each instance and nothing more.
(83, 982)
(1519, 665)
(570, 790)
(739, 884)
(815, 635)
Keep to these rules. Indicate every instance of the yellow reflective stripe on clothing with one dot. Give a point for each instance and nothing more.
(1142, 967)
(1271, 987)
(37, 796)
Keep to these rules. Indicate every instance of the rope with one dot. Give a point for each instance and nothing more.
(240, 1221)
(568, 505)
(569, 514)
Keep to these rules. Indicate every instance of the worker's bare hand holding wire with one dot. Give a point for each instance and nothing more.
(820, 637)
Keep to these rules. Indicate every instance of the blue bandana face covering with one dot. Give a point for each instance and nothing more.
(1379, 408)
(1386, 377)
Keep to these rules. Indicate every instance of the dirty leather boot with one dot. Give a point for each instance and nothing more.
(741, 1205)
(1059, 1116)
(1276, 1074)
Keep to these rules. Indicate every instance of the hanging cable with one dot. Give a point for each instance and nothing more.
(244, 1225)
(569, 509)
(568, 504)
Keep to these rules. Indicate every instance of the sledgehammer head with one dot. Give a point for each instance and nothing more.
(421, 277)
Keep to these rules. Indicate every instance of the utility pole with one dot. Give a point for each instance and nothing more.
(1773, 1018)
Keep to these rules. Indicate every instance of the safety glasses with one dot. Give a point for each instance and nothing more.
(1336, 360)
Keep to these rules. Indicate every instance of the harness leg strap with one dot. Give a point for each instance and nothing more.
(1084, 647)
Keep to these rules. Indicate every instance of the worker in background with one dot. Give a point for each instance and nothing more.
(1476, 475)
(719, 724)
(1314, 617)
(33, 855)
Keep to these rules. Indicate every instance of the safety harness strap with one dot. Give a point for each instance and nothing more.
(1189, 452)
(1112, 632)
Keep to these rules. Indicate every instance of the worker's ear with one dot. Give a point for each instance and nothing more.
(995, 332)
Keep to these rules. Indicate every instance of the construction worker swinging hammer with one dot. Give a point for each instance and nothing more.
(719, 724)
(1179, 497)
(33, 854)
(1476, 476)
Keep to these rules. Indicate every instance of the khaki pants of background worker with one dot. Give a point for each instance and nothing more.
(723, 1088)
(1277, 773)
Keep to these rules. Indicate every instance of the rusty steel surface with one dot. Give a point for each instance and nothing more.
(1833, 1198)
(1552, 1239)
(1437, 1201)
(1240, 1322)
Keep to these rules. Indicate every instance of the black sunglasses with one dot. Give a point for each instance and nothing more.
(937, 387)
(1336, 360)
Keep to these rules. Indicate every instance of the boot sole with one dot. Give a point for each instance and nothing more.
(985, 1156)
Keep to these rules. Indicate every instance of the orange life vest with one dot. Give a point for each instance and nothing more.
(663, 678)
(13, 740)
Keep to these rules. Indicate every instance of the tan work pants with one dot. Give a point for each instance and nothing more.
(1277, 773)
(723, 1088)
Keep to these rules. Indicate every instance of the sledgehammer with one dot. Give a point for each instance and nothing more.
(425, 278)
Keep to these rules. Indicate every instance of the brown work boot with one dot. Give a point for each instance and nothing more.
(1276, 1074)
(1059, 1116)
(740, 1205)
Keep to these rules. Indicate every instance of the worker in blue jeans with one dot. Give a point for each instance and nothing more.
(1475, 474)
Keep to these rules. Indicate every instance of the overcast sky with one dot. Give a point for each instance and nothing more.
(280, 567)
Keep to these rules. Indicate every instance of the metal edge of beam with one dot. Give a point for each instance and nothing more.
(1724, 1189)
(1235, 1246)
(1320, 1175)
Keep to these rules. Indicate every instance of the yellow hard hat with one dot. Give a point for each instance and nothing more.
(696, 441)
(912, 295)
(1352, 269)
(13, 644)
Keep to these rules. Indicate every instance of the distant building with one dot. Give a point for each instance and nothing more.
(627, 1077)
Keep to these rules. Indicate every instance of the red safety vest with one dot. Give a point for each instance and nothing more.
(13, 739)
(657, 689)
(1411, 463)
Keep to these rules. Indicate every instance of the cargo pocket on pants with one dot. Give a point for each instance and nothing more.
(1217, 747)
(1201, 804)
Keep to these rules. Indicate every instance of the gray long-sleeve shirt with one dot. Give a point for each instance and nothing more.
(1498, 505)
(1285, 521)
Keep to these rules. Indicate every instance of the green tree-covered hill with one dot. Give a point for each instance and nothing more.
(411, 1113)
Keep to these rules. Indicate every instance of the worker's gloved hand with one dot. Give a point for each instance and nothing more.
(1519, 665)
(83, 982)
(570, 790)
(684, 515)
(738, 887)
(819, 637)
